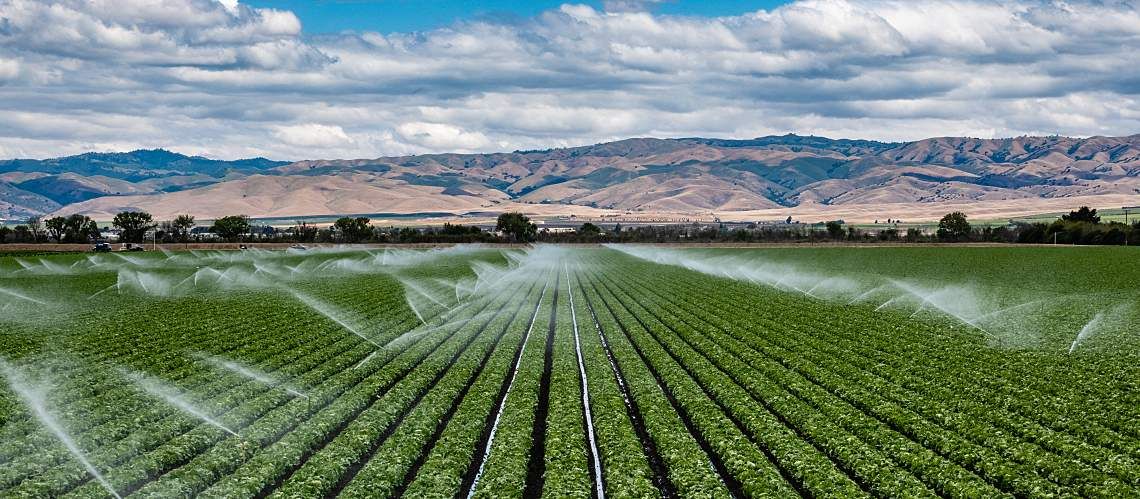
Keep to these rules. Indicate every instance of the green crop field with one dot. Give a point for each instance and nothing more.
(624, 371)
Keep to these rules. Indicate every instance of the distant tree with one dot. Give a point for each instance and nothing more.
(353, 230)
(304, 232)
(835, 229)
(133, 224)
(1082, 214)
(617, 229)
(517, 226)
(35, 228)
(5, 233)
(22, 234)
(181, 226)
(56, 227)
(789, 220)
(589, 230)
(953, 227)
(231, 228)
(460, 230)
(72, 229)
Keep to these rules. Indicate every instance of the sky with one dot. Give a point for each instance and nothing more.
(387, 16)
(290, 79)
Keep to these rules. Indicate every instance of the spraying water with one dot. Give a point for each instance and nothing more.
(21, 296)
(1088, 330)
(249, 372)
(327, 311)
(33, 395)
(414, 309)
(171, 396)
(422, 331)
(365, 361)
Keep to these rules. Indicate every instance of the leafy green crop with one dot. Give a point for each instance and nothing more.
(466, 371)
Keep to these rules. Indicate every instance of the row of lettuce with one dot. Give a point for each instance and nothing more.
(698, 386)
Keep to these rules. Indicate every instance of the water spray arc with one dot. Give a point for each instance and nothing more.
(34, 396)
(171, 395)
(329, 313)
(248, 372)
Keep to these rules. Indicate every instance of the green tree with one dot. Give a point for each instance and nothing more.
(231, 228)
(1082, 214)
(304, 232)
(954, 227)
(22, 234)
(56, 227)
(517, 226)
(181, 226)
(72, 229)
(353, 230)
(133, 225)
(589, 230)
(835, 229)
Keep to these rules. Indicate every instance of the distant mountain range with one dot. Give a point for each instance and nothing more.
(673, 176)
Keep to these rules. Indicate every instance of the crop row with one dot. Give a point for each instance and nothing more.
(989, 469)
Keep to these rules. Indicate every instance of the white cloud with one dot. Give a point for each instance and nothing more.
(313, 135)
(9, 70)
(441, 137)
(224, 79)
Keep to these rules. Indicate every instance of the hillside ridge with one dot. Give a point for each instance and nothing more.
(647, 175)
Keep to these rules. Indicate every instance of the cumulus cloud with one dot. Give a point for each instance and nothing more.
(312, 135)
(224, 79)
(441, 137)
(9, 70)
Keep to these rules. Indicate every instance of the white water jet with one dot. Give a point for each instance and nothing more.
(414, 309)
(419, 332)
(21, 296)
(34, 396)
(249, 372)
(420, 290)
(1003, 311)
(1088, 330)
(171, 395)
(329, 312)
(887, 303)
(366, 359)
(864, 295)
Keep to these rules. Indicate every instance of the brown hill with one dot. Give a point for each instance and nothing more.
(668, 176)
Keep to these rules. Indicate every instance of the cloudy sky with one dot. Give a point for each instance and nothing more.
(291, 79)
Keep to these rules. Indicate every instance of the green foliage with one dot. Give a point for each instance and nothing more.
(953, 227)
(1082, 214)
(589, 230)
(835, 229)
(179, 228)
(701, 384)
(72, 229)
(133, 225)
(354, 230)
(517, 227)
(231, 228)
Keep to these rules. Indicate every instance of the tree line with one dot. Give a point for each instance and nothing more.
(1081, 226)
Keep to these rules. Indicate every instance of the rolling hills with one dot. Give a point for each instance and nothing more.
(785, 174)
